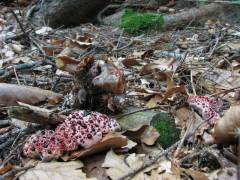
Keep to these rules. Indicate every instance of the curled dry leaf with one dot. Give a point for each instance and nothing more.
(111, 79)
(226, 126)
(67, 63)
(10, 94)
(145, 134)
(82, 42)
(172, 91)
(110, 141)
(150, 136)
(85, 63)
(167, 65)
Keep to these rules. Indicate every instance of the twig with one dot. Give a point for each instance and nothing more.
(123, 47)
(141, 110)
(16, 170)
(15, 72)
(214, 47)
(156, 158)
(4, 123)
(183, 138)
(195, 154)
(192, 83)
(20, 24)
(6, 73)
(225, 91)
(119, 40)
(216, 1)
(238, 165)
(11, 155)
(100, 14)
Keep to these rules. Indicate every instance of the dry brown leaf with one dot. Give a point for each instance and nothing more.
(171, 91)
(154, 101)
(129, 62)
(67, 63)
(166, 65)
(10, 94)
(93, 167)
(82, 42)
(144, 133)
(6, 168)
(119, 165)
(56, 171)
(194, 174)
(150, 136)
(226, 126)
(186, 118)
(113, 141)
(51, 51)
(111, 79)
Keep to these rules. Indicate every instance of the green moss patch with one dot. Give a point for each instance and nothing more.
(169, 133)
(135, 22)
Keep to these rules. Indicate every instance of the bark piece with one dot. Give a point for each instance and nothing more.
(34, 114)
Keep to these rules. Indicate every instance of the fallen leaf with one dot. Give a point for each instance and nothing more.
(135, 120)
(144, 133)
(194, 174)
(93, 167)
(43, 31)
(226, 127)
(111, 79)
(56, 170)
(66, 63)
(119, 165)
(10, 94)
(129, 62)
(154, 101)
(228, 173)
(17, 48)
(150, 136)
(5, 169)
(167, 65)
(218, 78)
(113, 141)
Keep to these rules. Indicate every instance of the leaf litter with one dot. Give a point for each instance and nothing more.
(189, 75)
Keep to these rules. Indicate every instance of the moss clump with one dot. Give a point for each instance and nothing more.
(134, 22)
(169, 133)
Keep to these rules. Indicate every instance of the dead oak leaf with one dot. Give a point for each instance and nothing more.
(113, 141)
(56, 170)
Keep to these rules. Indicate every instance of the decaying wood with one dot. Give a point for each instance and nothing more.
(11, 93)
(58, 13)
(35, 114)
(183, 18)
(179, 19)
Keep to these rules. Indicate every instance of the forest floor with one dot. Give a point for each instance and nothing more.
(179, 110)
